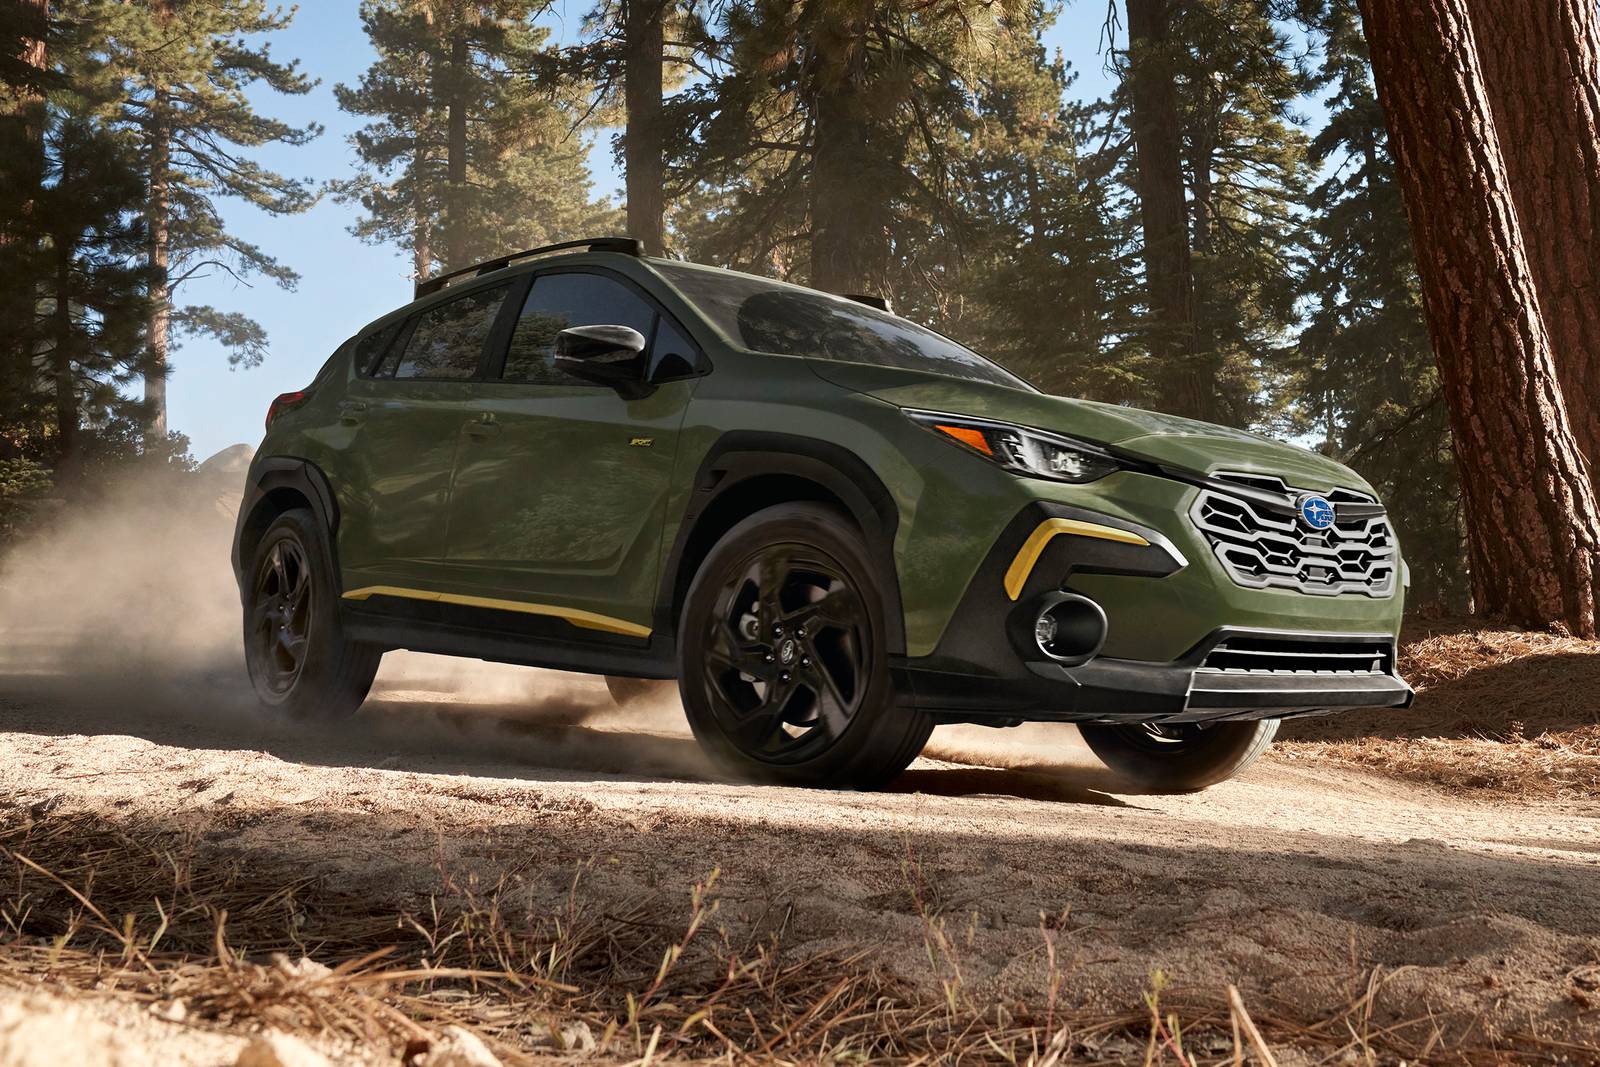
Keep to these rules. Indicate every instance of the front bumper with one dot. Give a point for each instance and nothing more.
(1247, 665)
(1192, 689)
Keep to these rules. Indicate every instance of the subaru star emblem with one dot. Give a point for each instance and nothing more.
(1316, 512)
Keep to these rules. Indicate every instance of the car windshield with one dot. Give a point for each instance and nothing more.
(787, 320)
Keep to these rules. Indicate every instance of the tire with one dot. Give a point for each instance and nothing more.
(300, 662)
(628, 691)
(1179, 757)
(781, 655)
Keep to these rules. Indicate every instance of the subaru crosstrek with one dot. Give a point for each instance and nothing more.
(835, 528)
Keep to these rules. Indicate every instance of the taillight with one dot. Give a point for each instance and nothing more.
(286, 402)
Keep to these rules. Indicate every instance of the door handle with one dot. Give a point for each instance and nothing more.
(350, 411)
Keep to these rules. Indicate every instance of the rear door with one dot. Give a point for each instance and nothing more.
(405, 411)
(561, 502)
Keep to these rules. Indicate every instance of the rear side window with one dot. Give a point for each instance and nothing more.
(373, 347)
(447, 340)
(559, 301)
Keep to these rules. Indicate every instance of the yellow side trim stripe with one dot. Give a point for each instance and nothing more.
(588, 620)
(1022, 566)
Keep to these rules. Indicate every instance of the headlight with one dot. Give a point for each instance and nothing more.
(1017, 448)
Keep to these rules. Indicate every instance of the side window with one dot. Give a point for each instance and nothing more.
(559, 301)
(447, 340)
(372, 348)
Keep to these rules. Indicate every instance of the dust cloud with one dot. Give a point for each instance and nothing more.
(125, 608)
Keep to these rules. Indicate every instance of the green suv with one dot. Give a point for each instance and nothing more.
(835, 528)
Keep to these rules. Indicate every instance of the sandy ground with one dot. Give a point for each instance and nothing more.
(1303, 883)
(1309, 882)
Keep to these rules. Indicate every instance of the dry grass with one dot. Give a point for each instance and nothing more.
(1499, 710)
(97, 907)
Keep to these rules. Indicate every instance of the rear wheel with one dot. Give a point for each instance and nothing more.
(299, 660)
(782, 656)
(1179, 757)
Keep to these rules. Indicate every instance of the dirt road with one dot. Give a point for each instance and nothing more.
(1304, 884)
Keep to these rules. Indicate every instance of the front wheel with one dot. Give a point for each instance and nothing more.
(1179, 757)
(782, 655)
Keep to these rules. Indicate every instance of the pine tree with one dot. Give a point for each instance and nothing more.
(187, 68)
(818, 141)
(88, 251)
(1370, 385)
(1532, 518)
(1217, 175)
(468, 156)
(1041, 279)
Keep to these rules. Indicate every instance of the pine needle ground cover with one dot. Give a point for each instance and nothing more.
(1501, 711)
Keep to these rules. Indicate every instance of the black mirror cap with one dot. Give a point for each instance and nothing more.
(609, 343)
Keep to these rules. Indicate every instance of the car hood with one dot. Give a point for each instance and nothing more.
(1200, 447)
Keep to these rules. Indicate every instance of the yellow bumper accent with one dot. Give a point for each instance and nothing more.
(1033, 547)
(588, 620)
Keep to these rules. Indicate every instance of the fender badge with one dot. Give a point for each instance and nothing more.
(642, 442)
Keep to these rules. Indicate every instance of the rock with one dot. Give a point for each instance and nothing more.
(457, 1047)
(275, 1049)
(577, 1037)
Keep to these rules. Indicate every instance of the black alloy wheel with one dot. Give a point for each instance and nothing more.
(782, 655)
(280, 619)
(787, 645)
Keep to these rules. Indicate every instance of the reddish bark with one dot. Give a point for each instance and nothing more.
(1541, 67)
(1533, 523)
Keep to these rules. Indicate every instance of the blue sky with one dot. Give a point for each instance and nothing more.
(345, 283)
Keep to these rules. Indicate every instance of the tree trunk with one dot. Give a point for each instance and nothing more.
(1169, 273)
(422, 233)
(1541, 67)
(643, 149)
(849, 241)
(61, 357)
(455, 234)
(158, 211)
(1532, 520)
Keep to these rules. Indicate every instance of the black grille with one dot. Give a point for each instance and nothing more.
(1276, 655)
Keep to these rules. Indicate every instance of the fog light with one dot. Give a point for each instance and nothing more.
(1044, 631)
(1071, 629)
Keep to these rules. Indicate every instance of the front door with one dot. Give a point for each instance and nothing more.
(404, 418)
(560, 485)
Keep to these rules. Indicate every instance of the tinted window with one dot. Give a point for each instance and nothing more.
(768, 316)
(672, 341)
(448, 339)
(558, 301)
(371, 348)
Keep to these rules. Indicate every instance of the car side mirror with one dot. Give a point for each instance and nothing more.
(605, 355)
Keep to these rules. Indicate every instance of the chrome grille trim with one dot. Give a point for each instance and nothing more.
(1262, 548)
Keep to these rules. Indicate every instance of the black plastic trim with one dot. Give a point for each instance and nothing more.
(741, 456)
(988, 631)
(504, 637)
(269, 473)
(1111, 690)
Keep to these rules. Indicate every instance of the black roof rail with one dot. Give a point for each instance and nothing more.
(628, 246)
